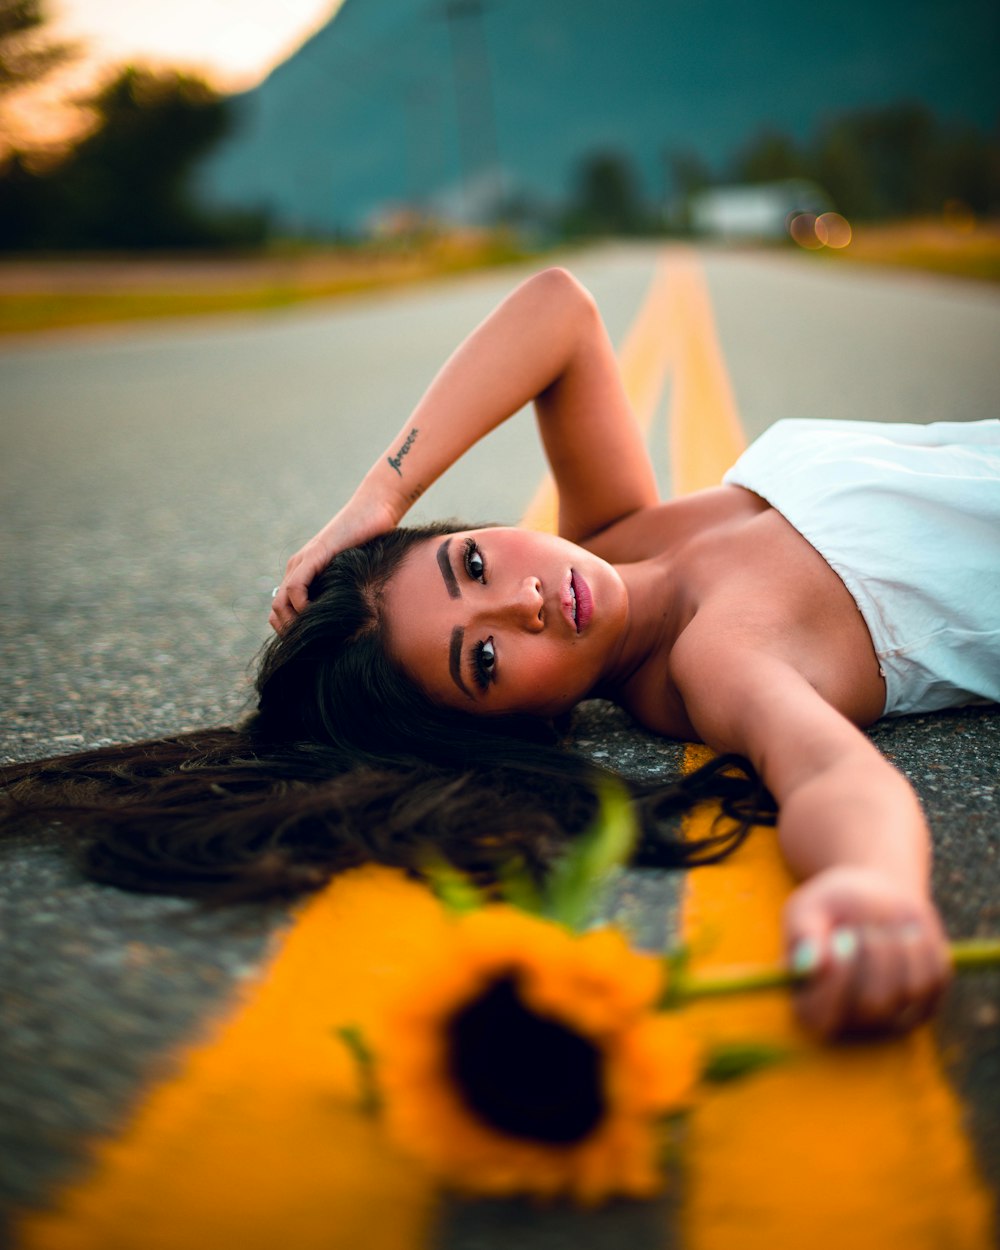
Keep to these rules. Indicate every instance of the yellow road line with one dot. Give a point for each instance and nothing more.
(256, 1141)
(704, 432)
(857, 1146)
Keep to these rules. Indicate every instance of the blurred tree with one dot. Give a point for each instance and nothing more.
(844, 170)
(606, 200)
(25, 55)
(127, 185)
(687, 173)
(898, 150)
(770, 157)
(972, 171)
(902, 161)
(895, 161)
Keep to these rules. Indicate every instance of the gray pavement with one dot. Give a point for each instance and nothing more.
(154, 479)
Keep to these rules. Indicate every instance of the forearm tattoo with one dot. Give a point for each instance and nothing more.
(397, 460)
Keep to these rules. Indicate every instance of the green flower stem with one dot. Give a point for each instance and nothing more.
(975, 953)
(749, 981)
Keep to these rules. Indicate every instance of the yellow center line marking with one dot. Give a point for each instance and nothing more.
(705, 433)
(858, 1146)
(256, 1139)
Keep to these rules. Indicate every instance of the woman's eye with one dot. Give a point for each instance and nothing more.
(475, 565)
(484, 663)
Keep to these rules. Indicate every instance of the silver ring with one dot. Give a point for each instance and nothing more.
(274, 592)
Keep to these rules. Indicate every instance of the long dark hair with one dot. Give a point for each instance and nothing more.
(345, 761)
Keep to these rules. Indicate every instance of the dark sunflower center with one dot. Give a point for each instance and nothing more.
(524, 1074)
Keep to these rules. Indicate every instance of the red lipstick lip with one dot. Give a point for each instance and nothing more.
(584, 602)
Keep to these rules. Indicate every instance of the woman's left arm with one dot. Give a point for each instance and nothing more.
(850, 828)
(545, 343)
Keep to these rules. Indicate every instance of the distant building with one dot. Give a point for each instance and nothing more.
(754, 211)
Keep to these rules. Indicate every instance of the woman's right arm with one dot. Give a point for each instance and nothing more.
(546, 343)
(862, 920)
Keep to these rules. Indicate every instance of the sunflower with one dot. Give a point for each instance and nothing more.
(529, 1059)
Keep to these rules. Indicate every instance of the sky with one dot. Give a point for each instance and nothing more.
(232, 43)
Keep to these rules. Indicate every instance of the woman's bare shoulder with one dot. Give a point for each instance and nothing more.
(652, 531)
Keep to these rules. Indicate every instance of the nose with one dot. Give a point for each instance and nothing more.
(525, 607)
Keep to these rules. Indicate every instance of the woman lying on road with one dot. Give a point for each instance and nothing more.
(417, 677)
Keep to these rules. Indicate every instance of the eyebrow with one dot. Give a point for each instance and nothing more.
(444, 564)
(455, 659)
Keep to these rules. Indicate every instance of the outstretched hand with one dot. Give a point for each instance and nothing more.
(354, 524)
(877, 954)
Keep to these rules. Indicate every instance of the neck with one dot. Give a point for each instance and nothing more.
(658, 611)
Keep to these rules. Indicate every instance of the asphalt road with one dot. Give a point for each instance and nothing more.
(155, 478)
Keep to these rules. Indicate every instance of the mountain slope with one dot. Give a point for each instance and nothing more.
(364, 115)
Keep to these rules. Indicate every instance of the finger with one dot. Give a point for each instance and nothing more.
(807, 934)
(880, 989)
(929, 969)
(920, 990)
(942, 968)
(281, 610)
(823, 1004)
(912, 976)
(297, 596)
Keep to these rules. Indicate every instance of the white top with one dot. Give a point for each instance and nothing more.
(908, 516)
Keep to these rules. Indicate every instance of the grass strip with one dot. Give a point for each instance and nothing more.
(961, 249)
(53, 293)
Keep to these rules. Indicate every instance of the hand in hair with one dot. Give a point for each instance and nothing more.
(360, 519)
(545, 343)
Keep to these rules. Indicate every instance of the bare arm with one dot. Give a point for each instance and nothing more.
(850, 828)
(546, 343)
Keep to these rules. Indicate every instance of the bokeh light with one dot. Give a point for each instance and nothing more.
(802, 228)
(814, 232)
(833, 230)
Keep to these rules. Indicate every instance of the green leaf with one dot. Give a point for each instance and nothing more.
(364, 1057)
(455, 890)
(519, 888)
(728, 1061)
(577, 879)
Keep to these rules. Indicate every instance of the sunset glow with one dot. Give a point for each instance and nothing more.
(231, 43)
(234, 43)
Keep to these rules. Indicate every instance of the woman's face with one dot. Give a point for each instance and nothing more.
(505, 620)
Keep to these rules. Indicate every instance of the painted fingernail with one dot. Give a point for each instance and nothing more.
(843, 945)
(805, 957)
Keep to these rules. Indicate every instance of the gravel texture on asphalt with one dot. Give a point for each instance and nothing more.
(98, 987)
